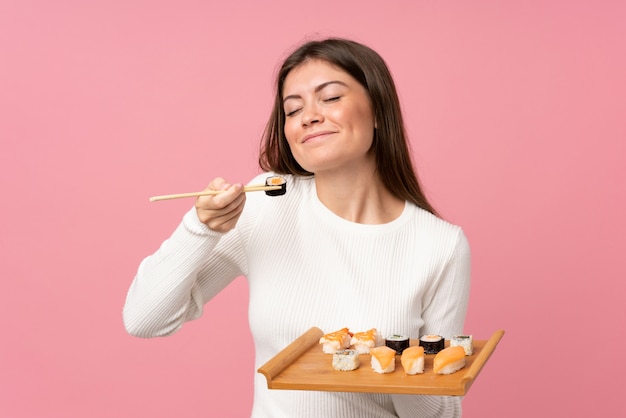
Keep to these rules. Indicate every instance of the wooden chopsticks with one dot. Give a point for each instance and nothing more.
(252, 188)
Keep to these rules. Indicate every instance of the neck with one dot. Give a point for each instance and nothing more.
(360, 198)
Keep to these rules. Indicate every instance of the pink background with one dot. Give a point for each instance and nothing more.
(517, 115)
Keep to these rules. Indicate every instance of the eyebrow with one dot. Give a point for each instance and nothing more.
(317, 89)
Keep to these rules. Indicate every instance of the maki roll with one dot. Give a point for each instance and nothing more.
(464, 341)
(432, 343)
(397, 342)
(276, 181)
(346, 360)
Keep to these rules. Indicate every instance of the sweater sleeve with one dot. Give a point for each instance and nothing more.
(172, 285)
(426, 406)
(444, 314)
(446, 305)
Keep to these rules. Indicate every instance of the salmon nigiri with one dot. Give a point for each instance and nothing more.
(364, 341)
(449, 360)
(383, 359)
(412, 359)
(335, 341)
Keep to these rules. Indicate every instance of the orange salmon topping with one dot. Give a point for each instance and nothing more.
(276, 181)
(447, 356)
(409, 355)
(366, 335)
(384, 355)
(338, 335)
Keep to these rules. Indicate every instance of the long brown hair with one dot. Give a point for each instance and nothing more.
(393, 159)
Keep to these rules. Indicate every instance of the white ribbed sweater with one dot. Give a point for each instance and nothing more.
(308, 267)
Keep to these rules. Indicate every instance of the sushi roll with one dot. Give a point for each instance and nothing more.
(432, 343)
(364, 341)
(464, 341)
(412, 360)
(276, 181)
(397, 342)
(383, 359)
(449, 360)
(335, 341)
(346, 360)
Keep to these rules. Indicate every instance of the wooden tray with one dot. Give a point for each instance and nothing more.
(302, 365)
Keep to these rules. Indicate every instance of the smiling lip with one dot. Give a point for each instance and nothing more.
(315, 135)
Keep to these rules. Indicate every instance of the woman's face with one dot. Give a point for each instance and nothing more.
(329, 121)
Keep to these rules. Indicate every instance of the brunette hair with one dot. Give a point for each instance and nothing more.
(393, 160)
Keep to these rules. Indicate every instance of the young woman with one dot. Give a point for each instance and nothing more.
(353, 243)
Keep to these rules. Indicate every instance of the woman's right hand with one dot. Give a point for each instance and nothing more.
(221, 212)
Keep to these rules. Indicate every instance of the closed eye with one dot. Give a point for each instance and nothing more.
(293, 112)
(332, 99)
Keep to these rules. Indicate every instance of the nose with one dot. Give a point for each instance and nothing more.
(311, 115)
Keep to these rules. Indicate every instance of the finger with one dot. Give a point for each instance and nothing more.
(231, 194)
(215, 214)
(223, 220)
(227, 203)
(226, 222)
(217, 184)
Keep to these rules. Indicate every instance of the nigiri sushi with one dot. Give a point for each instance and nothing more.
(449, 360)
(335, 341)
(412, 360)
(364, 341)
(383, 359)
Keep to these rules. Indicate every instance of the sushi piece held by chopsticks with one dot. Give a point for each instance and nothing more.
(274, 181)
(274, 186)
